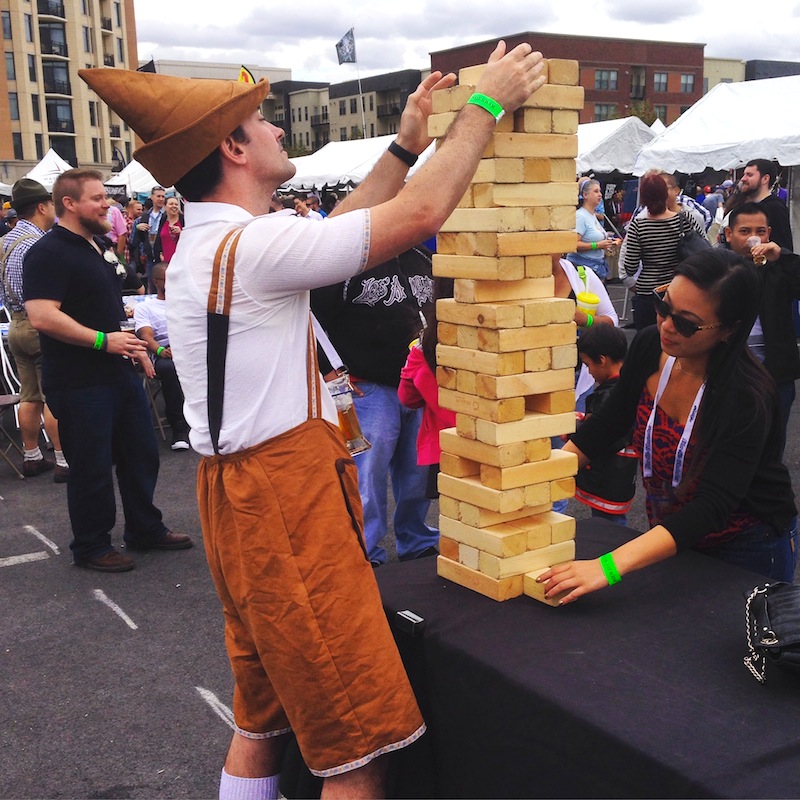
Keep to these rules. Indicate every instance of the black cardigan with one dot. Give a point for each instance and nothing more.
(745, 472)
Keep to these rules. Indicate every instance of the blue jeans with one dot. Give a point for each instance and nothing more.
(101, 426)
(760, 549)
(392, 430)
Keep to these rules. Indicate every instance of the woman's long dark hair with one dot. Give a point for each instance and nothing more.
(442, 289)
(734, 378)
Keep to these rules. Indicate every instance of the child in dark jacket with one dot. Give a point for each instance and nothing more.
(608, 484)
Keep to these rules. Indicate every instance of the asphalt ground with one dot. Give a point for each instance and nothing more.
(117, 686)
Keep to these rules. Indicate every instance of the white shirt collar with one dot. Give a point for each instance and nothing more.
(203, 213)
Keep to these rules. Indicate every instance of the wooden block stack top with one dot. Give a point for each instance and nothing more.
(506, 352)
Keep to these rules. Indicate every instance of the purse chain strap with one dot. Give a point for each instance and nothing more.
(756, 662)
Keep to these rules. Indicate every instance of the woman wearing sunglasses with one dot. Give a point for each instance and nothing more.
(706, 422)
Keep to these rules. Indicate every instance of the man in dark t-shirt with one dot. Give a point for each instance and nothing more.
(72, 291)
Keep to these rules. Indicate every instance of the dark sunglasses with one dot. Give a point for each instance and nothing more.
(683, 326)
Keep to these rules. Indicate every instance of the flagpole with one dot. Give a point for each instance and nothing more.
(361, 103)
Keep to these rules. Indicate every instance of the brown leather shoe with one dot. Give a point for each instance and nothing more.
(61, 474)
(30, 469)
(109, 562)
(169, 541)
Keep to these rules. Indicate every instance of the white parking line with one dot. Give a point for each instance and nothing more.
(217, 706)
(24, 559)
(100, 595)
(42, 538)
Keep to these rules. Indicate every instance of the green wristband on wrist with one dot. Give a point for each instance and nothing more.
(594, 245)
(160, 350)
(589, 319)
(610, 569)
(488, 104)
(99, 341)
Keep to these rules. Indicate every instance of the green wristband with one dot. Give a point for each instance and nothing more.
(594, 245)
(99, 340)
(589, 320)
(610, 569)
(160, 350)
(486, 102)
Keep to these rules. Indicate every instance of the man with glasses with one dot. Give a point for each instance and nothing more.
(146, 230)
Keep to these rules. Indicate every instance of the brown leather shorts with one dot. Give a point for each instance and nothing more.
(306, 634)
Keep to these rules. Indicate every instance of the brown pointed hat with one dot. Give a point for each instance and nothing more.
(180, 120)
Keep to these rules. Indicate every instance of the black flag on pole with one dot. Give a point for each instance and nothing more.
(148, 67)
(346, 48)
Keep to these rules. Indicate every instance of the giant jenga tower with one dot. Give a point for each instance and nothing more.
(507, 351)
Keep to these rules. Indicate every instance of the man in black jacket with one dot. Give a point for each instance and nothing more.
(756, 183)
(145, 231)
(772, 339)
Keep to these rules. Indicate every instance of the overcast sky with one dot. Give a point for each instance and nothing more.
(399, 34)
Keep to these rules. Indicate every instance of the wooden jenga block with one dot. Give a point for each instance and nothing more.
(465, 426)
(448, 547)
(565, 355)
(499, 170)
(537, 170)
(447, 333)
(537, 591)
(548, 311)
(551, 402)
(537, 494)
(556, 97)
(505, 340)
(540, 534)
(533, 426)
(493, 364)
(441, 101)
(439, 123)
(533, 120)
(467, 243)
(499, 568)
(536, 449)
(539, 266)
(467, 199)
(563, 72)
(505, 456)
(478, 582)
(549, 218)
(506, 410)
(531, 243)
(540, 145)
(562, 527)
(563, 169)
(502, 540)
(448, 507)
(467, 337)
(486, 219)
(446, 377)
(487, 315)
(562, 489)
(532, 194)
(479, 267)
(565, 121)
(457, 466)
(495, 387)
(483, 195)
(470, 490)
(538, 360)
(467, 291)
(466, 382)
(560, 464)
(468, 556)
(478, 517)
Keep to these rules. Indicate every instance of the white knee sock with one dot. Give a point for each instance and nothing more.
(33, 455)
(60, 460)
(233, 788)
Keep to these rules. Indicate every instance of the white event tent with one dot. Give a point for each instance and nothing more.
(658, 126)
(48, 169)
(732, 124)
(135, 178)
(611, 145)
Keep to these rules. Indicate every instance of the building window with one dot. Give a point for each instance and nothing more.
(372, 130)
(342, 107)
(354, 105)
(121, 52)
(13, 105)
(687, 84)
(17, 139)
(292, 115)
(307, 143)
(85, 7)
(118, 14)
(305, 113)
(96, 151)
(37, 115)
(6, 24)
(11, 71)
(28, 28)
(39, 139)
(605, 79)
(604, 111)
(343, 134)
(128, 152)
(661, 113)
(32, 68)
(93, 113)
(372, 102)
(87, 40)
(659, 81)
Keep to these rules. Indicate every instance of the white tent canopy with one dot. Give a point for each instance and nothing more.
(135, 178)
(612, 145)
(342, 163)
(658, 126)
(48, 169)
(732, 124)
(5, 189)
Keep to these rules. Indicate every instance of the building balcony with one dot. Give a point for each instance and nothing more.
(52, 86)
(54, 48)
(114, 131)
(105, 24)
(108, 60)
(320, 119)
(60, 126)
(389, 110)
(51, 8)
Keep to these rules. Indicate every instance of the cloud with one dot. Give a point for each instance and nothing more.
(648, 13)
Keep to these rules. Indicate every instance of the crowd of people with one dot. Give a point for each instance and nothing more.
(270, 296)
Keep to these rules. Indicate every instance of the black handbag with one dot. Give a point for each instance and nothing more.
(690, 242)
(772, 617)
